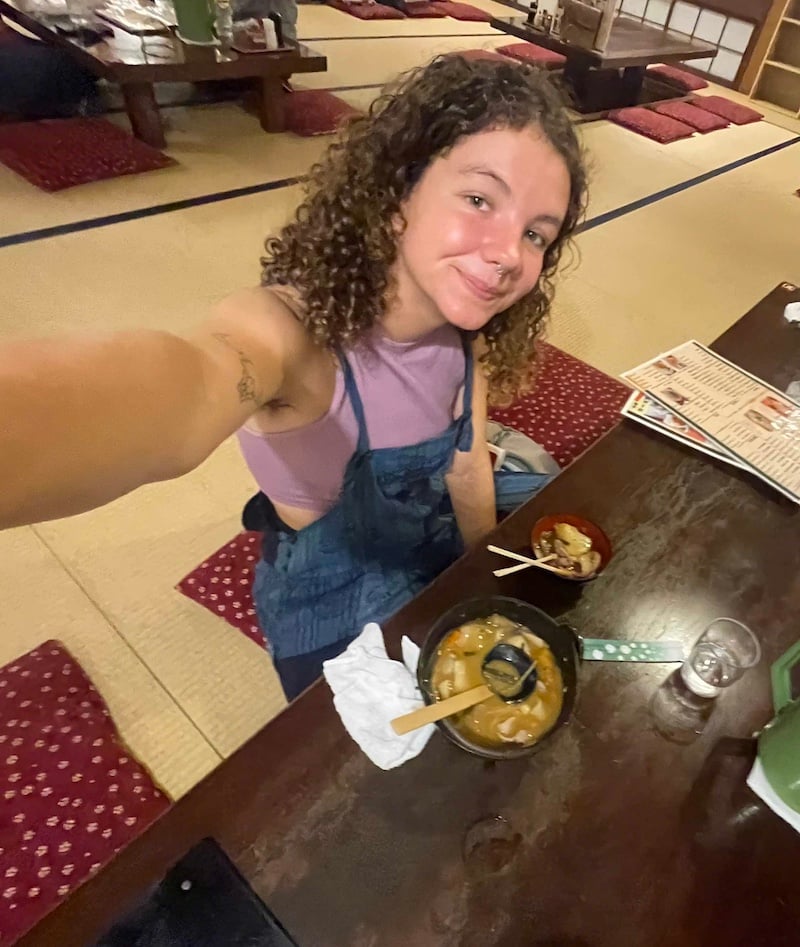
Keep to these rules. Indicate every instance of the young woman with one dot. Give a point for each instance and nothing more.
(413, 280)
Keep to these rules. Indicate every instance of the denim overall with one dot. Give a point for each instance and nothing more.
(389, 535)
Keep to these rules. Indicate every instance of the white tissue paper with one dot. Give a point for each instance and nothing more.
(370, 690)
(792, 312)
(758, 782)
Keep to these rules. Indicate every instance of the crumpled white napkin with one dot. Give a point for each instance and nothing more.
(370, 690)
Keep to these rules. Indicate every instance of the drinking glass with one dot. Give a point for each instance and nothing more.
(683, 704)
(724, 651)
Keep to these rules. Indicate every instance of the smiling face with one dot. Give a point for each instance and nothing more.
(478, 224)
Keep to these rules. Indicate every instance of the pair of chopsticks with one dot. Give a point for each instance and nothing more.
(525, 562)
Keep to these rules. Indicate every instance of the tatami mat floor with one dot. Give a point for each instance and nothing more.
(185, 689)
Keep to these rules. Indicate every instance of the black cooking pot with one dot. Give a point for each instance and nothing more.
(560, 638)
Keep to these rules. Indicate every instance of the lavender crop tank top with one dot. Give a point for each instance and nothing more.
(409, 390)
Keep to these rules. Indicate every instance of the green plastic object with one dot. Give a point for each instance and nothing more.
(779, 742)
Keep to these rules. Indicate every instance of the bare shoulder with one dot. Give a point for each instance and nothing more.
(255, 338)
(266, 317)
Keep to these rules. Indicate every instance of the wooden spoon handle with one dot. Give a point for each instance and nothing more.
(442, 708)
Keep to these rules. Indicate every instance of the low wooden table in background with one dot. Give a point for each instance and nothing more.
(136, 63)
(614, 78)
(609, 836)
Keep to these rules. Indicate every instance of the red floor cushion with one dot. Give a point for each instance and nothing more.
(423, 11)
(727, 109)
(660, 128)
(222, 583)
(689, 114)
(463, 11)
(536, 55)
(367, 11)
(570, 407)
(572, 404)
(72, 793)
(679, 78)
(315, 112)
(58, 153)
(473, 54)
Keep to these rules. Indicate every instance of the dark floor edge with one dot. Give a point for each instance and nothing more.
(352, 88)
(94, 223)
(683, 186)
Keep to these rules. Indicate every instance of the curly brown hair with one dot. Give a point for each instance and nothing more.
(339, 250)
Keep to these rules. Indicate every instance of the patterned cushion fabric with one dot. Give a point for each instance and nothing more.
(679, 78)
(725, 108)
(72, 793)
(315, 112)
(531, 53)
(367, 11)
(571, 405)
(660, 128)
(689, 114)
(223, 584)
(59, 153)
(463, 11)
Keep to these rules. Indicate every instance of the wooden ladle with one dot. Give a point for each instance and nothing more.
(442, 708)
(511, 672)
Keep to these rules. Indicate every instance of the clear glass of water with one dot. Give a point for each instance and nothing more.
(683, 704)
(720, 656)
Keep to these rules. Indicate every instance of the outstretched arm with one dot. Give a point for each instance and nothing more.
(85, 419)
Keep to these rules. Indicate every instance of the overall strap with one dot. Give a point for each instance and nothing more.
(469, 373)
(465, 432)
(351, 388)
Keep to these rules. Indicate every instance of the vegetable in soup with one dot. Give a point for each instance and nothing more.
(457, 668)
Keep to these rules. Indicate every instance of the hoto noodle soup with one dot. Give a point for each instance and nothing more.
(456, 667)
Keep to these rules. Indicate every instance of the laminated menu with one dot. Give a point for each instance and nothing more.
(704, 400)
(654, 415)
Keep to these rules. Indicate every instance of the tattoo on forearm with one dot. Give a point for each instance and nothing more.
(246, 385)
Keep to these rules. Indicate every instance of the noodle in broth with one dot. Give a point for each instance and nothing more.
(457, 668)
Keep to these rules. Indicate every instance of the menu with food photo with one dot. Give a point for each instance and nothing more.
(649, 412)
(738, 416)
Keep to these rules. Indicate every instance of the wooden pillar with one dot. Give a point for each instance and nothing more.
(761, 48)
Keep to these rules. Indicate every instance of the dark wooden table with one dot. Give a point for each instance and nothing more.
(136, 63)
(614, 78)
(613, 837)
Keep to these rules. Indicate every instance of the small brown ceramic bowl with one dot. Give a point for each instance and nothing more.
(600, 542)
